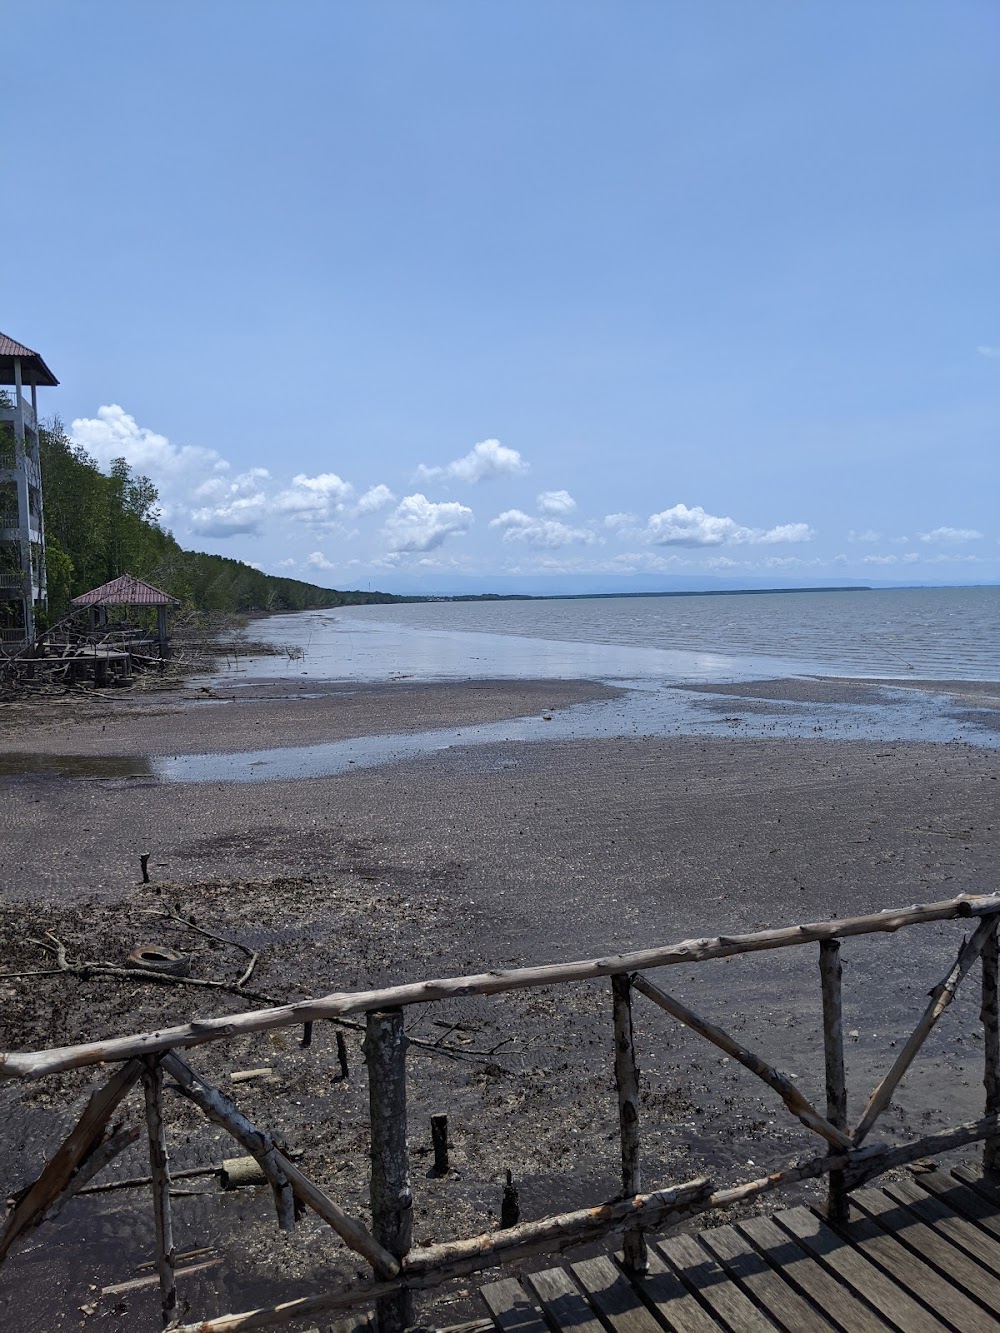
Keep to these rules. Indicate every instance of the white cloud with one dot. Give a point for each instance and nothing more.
(624, 520)
(417, 524)
(290, 563)
(951, 535)
(681, 526)
(988, 351)
(115, 433)
(879, 559)
(375, 498)
(547, 532)
(238, 508)
(868, 535)
(483, 462)
(240, 516)
(317, 560)
(317, 499)
(555, 502)
(910, 556)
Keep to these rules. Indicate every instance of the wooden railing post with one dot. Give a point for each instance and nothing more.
(831, 974)
(152, 1086)
(391, 1198)
(991, 1046)
(627, 1081)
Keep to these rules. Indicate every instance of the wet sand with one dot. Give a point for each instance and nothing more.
(496, 855)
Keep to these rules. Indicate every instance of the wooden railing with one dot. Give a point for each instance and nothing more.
(400, 1269)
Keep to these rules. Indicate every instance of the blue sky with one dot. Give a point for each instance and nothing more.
(426, 294)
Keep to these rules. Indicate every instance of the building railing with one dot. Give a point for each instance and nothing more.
(10, 413)
(399, 1269)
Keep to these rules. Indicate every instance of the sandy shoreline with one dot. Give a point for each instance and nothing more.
(461, 860)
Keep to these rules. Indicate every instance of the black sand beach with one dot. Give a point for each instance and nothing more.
(455, 862)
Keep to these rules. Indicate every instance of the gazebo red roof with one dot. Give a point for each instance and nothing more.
(33, 368)
(126, 590)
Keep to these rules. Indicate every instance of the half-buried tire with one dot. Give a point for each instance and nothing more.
(160, 958)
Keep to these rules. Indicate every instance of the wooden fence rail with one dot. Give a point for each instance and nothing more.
(398, 1268)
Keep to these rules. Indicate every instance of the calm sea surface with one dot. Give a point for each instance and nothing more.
(657, 648)
(922, 633)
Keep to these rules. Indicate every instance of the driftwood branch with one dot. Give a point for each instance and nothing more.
(257, 1142)
(88, 969)
(941, 997)
(36, 1064)
(83, 1138)
(799, 1105)
(167, 914)
(106, 1152)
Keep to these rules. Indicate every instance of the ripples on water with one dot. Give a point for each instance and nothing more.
(924, 633)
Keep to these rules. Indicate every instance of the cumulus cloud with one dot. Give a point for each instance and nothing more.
(951, 535)
(317, 560)
(374, 499)
(868, 535)
(546, 532)
(992, 352)
(484, 462)
(418, 524)
(879, 559)
(237, 506)
(681, 526)
(555, 502)
(317, 500)
(115, 433)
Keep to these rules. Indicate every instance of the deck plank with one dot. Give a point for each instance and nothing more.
(963, 1200)
(797, 1265)
(958, 1229)
(696, 1267)
(931, 1246)
(892, 1301)
(949, 1305)
(613, 1296)
(976, 1178)
(663, 1291)
(916, 1256)
(764, 1284)
(512, 1308)
(563, 1302)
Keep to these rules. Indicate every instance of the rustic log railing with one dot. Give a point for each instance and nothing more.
(400, 1269)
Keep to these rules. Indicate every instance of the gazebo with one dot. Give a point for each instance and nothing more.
(127, 590)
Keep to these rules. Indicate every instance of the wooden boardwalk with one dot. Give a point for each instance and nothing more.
(918, 1256)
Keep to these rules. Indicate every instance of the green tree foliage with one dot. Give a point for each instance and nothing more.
(99, 525)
